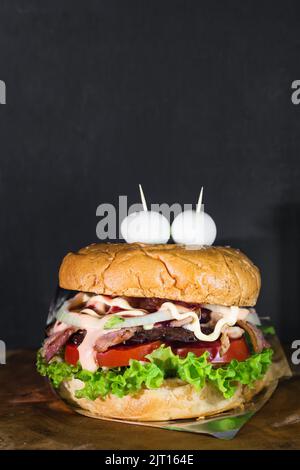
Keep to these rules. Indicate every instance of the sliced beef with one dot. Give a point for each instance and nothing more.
(256, 335)
(149, 304)
(113, 338)
(55, 342)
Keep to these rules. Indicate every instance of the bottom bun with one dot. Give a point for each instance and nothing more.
(174, 400)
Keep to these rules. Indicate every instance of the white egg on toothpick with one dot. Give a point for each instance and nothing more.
(145, 226)
(194, 227)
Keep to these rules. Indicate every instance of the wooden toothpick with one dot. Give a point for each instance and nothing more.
(199, 203)
(143, 198)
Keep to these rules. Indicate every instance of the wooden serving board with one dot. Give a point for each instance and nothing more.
(31, 417)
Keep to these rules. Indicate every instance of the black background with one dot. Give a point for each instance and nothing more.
(102, 95)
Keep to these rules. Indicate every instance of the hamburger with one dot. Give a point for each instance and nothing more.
(156, 332)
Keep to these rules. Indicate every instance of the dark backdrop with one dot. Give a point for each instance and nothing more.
(102, 95)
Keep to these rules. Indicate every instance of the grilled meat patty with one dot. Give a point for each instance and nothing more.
(165, 333)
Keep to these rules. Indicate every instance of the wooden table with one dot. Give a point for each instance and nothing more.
(31, 417)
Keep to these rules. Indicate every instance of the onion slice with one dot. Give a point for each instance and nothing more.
(84, 320)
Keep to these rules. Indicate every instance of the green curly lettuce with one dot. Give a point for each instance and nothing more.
(163, 363)
(247, 372)
(191, 369)
(56, 371)
(120, 381)
(197, 370)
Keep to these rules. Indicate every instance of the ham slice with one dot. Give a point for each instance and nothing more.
(113, 338)
(228, 333)
(256, 336)
(55, 342)
(78, 301)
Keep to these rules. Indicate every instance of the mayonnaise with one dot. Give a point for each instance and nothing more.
(94, 322)
(87, 353)
(229, 318)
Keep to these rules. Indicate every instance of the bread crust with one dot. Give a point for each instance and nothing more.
(214, 275)
(174, 400)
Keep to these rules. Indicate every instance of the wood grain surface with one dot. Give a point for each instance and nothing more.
(31, 417)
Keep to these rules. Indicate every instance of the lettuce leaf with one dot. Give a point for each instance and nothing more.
(163, 363)
(226, 379)
(191, 369)
(120, 381)
(113, 322)
(56, 371)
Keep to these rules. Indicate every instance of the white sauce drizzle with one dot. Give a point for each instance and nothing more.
(95, 326)
(229, 318)
(87, 352)
(242, 312)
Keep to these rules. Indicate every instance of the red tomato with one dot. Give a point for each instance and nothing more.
(238, 349)
(120, 355)
(71, 354)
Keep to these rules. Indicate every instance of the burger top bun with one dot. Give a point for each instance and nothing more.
(213, 275)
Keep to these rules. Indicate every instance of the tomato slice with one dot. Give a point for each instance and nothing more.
(238, 349)
(119, 356)
(71, 354)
